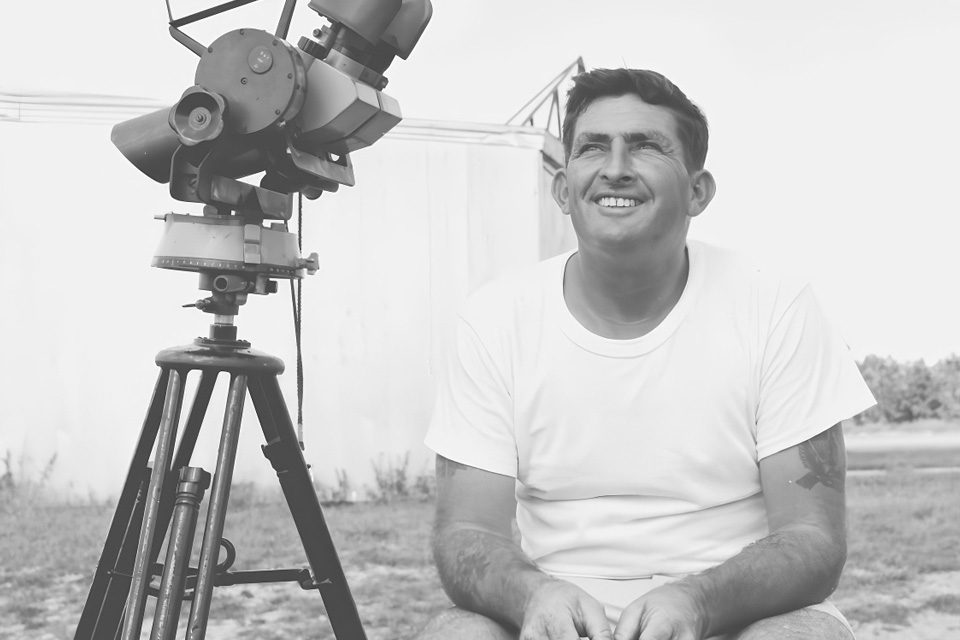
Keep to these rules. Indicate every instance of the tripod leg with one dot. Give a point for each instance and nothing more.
(283, 451)
(181, 458)
(136, 598)
(102, 615)
(104, 605)
(217, 510)
(193, 482)
(198, 409)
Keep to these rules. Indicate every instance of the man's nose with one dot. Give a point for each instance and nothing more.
(617, 166)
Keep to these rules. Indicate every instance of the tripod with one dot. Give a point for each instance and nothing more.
(168, 496)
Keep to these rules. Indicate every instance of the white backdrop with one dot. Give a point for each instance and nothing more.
(439, 208)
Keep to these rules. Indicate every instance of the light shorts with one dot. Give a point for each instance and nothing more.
(615, 594)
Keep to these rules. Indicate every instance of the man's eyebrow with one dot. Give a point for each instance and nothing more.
(590, 137)
(652, 134)
(632, 137)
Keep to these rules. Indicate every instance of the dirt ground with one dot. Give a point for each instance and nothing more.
(929, 625)
(902, 580)
(277, 612)
(921, 622)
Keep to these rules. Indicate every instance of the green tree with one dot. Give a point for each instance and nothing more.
(908, 391)
(946, 373)
(921, 398)
(885, 378)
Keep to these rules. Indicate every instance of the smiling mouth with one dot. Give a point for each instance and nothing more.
(618, 203)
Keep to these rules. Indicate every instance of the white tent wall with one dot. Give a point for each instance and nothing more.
(439, 209)
(556, 232)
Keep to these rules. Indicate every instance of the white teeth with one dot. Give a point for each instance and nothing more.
(610, 201)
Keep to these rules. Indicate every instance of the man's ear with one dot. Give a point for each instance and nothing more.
(702, 189)
(560, 192)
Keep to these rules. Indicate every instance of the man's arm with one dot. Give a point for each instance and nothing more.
(483, 570)
(798, 564)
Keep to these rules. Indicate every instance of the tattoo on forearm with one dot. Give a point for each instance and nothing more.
(471, 562)
(475, 566)
(822, 456)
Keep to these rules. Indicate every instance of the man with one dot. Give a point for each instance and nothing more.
(662, 418)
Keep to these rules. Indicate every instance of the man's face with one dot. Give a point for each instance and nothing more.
(625, 184)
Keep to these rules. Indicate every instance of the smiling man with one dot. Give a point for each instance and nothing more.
(661, 417)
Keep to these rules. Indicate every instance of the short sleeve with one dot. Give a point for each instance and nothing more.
(809, 380)
(473, 416)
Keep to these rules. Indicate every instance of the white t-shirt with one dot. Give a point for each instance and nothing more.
(640, 457)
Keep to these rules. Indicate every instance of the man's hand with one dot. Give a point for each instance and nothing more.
(484, 570)
(559, 610)
(669, 612)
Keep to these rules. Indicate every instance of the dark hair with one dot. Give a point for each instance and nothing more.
(652, 88)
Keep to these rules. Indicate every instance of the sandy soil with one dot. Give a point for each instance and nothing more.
(929, 625)
(275, 612)
(922, 623)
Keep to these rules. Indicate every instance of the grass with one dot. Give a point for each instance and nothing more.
(926, 425)
(901, 524)
(904, 533)
(48, 553)
(910, 459)
(903, 541)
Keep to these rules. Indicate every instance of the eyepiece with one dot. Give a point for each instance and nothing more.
(198, 117)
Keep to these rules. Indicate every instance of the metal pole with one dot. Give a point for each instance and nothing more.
(287, 460)
(219, 495)
(193, 482)
(103, 612)
(137, 597)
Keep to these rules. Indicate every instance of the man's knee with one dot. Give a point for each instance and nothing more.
(803, 624)
(459, 624)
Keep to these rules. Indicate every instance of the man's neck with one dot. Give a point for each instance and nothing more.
(624, 296)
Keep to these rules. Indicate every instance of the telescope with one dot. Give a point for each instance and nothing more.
(258, 105)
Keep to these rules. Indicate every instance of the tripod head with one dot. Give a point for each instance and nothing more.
(260, 105)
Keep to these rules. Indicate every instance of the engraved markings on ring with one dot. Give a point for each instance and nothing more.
(260, 59)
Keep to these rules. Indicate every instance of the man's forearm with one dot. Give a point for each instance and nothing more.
(787, 570)
(485, 572)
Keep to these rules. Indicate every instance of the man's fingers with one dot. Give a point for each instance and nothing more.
(658, 629)
(640, 623)
(628, 627)
(593, 621)
(549, 629)
(565, 612)
(592, 624)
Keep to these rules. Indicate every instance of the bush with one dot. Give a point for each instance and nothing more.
(392, 481)
(343, 493)
(909, 391)
(390, 476)
(20, 487)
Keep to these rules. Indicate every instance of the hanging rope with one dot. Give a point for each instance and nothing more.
(296, 299)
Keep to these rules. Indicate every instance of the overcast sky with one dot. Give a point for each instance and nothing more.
(834, 123)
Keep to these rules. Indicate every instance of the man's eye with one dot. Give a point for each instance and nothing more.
(592, 146)
(649, 145)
